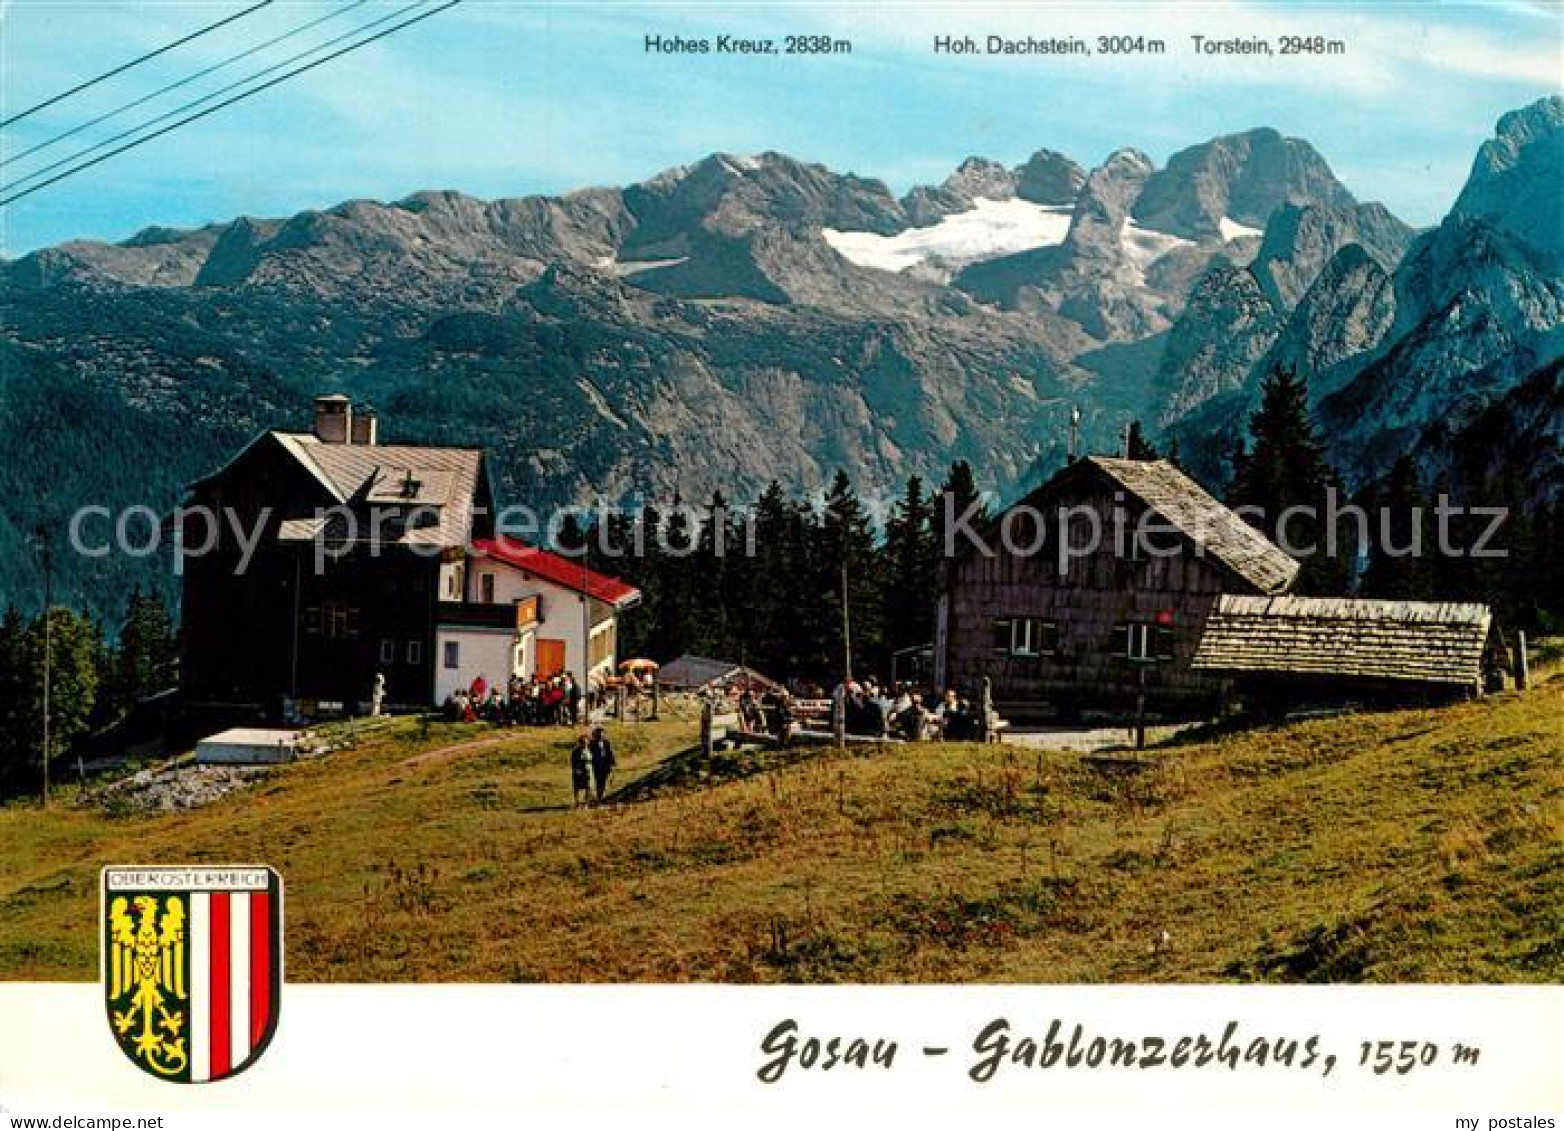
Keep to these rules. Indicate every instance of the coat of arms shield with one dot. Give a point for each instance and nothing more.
(192, 966)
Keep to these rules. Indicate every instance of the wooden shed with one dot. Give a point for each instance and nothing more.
(1302, 647)
(1062, 634)
(690, 673)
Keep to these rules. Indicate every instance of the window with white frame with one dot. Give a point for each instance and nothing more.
(1026, 636)
(1142, 641)
(338, 621)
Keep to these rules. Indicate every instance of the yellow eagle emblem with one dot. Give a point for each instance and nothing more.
(146, 971)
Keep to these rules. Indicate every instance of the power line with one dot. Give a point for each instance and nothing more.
(201, 74)
(229, 102)
(205, 98)
(123, 67)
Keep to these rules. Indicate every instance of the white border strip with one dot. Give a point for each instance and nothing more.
(199, 986)
(238, 979)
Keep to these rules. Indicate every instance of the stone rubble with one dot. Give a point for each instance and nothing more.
(172, 788)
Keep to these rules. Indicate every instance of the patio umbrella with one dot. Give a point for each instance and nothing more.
(639, 666)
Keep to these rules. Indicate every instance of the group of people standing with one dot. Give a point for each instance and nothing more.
(768, 713)
(901, 712)
(591, 765)
(556, 701)
(870, 710)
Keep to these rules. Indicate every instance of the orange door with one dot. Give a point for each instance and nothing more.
(550, 658)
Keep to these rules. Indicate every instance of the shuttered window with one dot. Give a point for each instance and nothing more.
(338, 621)
(1026, 636)
(1162, 642)
(1137, 640)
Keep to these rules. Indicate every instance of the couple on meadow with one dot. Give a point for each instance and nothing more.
(591, 763)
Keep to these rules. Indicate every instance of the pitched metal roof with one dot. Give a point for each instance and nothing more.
(1418, 641)
(447, 481)
(412, 486)
(1211, 526)
(701, 671)
(572, 575)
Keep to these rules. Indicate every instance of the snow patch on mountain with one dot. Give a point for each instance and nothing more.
(599, 403)
(1144, 246)
(1232, 230)
(624, 268)
(991, 228)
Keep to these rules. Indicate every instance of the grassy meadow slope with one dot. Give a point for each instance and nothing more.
(1415, 845)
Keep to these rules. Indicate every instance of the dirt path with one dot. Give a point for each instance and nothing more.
(444, 752)
(1089, 740)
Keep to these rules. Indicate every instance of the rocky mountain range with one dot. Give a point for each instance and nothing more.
(1405, 342)
(745, 318)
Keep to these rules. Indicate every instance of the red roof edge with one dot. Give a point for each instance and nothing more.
(562, 571)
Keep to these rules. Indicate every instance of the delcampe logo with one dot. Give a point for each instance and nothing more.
(192, 966)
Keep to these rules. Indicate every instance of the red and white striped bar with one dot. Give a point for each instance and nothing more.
(230, 966)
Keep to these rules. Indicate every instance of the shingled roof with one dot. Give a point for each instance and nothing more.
(1416, 641)
(1211, 526)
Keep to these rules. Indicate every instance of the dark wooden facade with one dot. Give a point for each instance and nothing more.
(235, 624)
(299, 622)
(1061, 643)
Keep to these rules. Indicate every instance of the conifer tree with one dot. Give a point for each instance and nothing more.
(845, 540)
(678, 589)
(77, 659)
(1508, 580)
(1454, 575)
(571, 537)
(715, 573)
(1401, 537)
(1285, 469)
(143, 661)
(774, 638)
(911, 570)
(1136, 445)
(16, 731)
(948, 505)
(642, 563)
(1547, 572)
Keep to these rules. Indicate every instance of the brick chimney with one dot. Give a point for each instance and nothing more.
(334, 419)
(364, 427)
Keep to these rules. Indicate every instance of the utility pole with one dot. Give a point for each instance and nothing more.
(586, 625)
(847, 628)
(48, 648)
(1140, 709)
(293, 646)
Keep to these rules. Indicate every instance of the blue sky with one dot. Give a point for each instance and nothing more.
(505, 99)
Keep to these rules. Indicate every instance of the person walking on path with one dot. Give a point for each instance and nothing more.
(581, 771)
(602, 760)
